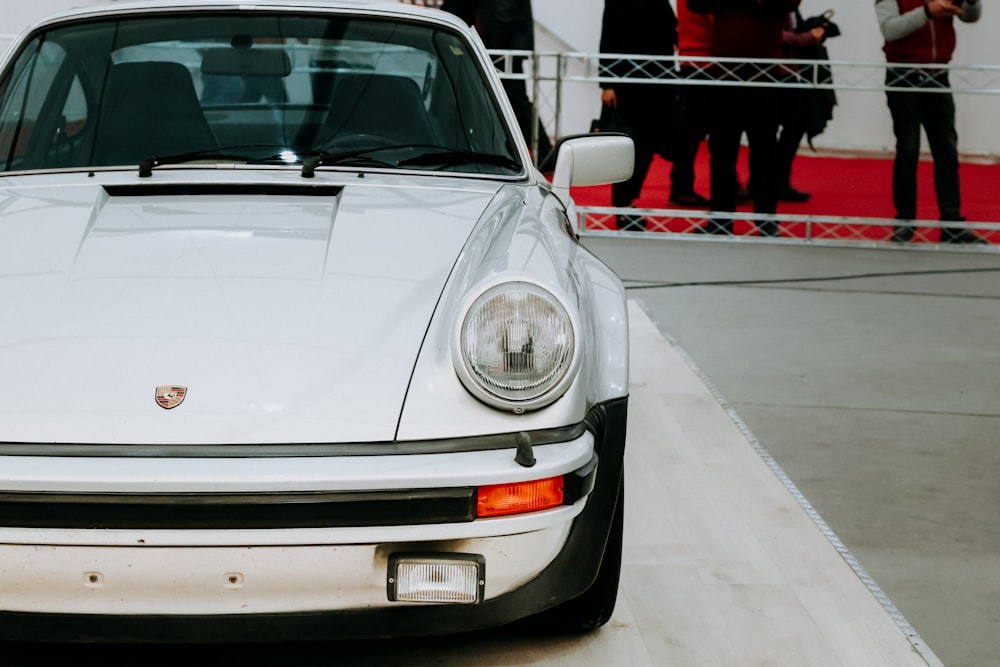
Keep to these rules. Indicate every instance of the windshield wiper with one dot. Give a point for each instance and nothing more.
(229, 153)
(146, 166)
(452, 157)
(432, 155)
(359, 158)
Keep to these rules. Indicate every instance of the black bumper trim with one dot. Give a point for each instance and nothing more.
(319, 449)
(236, 511)
(255, 511)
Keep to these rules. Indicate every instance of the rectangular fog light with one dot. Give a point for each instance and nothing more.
(437, 577)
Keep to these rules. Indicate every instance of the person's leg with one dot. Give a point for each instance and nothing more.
(725, 131)
(764, 107)
(692, 128)
(939, 124)
(637, 116)
(905, 110)
(938, 119)
(624, 194)
(793, 128)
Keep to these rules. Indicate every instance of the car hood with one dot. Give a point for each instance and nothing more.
(289, 316)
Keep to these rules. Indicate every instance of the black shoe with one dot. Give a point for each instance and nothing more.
(901, 234)
(790, 194)
(961, 236)
(631, 223)
(691, 199)
(769, 228)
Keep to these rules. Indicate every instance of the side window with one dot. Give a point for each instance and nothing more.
(461, 86)
(74, 113)
(26, 121)
(67, 135)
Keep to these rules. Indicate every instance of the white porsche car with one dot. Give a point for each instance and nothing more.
(295, 340)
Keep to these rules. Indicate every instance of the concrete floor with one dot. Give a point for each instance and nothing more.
(877, 390)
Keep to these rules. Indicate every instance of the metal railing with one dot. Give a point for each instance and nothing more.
(548, 75)
(788, 228)
(846, 75)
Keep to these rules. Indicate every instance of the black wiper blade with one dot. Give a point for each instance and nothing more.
(230, 153)
(452, 157)
(428, 155)
(146, 166)
(360, 158)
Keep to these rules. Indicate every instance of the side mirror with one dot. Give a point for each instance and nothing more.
(592, 159)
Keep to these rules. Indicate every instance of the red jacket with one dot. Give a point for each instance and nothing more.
(932, 43)
(694, 32)
(745, 28)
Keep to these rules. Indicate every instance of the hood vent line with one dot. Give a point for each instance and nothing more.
(239, 189)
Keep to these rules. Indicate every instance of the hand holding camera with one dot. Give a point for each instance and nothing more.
(939, 9)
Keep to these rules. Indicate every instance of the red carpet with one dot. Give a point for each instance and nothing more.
(843, 187)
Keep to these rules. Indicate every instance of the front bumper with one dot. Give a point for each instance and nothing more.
(274, 585)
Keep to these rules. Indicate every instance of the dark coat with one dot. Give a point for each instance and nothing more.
(502, 24)
(646, 111)
(817, 104)
(639, 26)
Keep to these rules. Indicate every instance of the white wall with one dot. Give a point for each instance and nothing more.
(861, 120)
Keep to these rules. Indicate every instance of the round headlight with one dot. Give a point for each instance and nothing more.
(517, 345)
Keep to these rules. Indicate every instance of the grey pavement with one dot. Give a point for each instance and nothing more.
(872, 376)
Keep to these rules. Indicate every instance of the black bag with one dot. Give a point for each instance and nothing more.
(610, 121)
(830, 29)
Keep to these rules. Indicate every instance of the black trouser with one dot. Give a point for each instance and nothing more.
(694, 103)
(935, 111)
(649, 110)
(793, 128)
(753, 110)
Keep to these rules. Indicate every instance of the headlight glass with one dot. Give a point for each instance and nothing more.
(517, 341)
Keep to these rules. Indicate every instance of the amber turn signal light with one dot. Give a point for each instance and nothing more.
(519, 497)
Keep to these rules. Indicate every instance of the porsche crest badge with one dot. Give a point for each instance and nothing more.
(170, 395)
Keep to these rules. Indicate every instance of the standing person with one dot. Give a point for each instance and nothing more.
(922, 32)
(694, 40)
(644, 27)
(800, 43)
(507, 25)
(694, 106)
(746, 29)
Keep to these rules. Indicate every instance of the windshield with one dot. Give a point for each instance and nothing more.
(251, 87)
